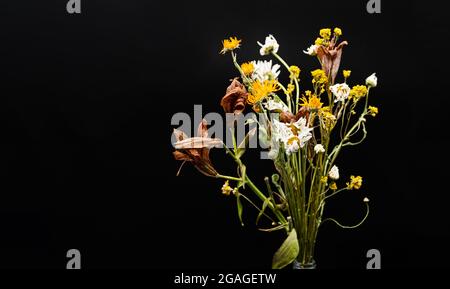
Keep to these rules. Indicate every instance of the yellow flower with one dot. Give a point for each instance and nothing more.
(260, 90)
(295, 72)
(290, 88)
(337, 31)
(226, 189)
(247, 68)
(324, 179)
(327, 117)
(325, 33)
(319, 76)
(355, 183)
(319, 41)
(333, 186)
(373, 111)
(230, 44)
(346, 73)
(312, 103)
(358, 91)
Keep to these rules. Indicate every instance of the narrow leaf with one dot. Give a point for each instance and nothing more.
(239, 208)
(261, 212)
(244, 144)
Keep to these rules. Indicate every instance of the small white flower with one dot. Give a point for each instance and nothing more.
(263, 70)
(270, 45)
(334, 173)
(312, 50)
(366, 200)
(277, 106)
(341, 91)
(372, 80)
(318, 148)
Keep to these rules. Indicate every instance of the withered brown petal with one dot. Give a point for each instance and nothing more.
(302, 112)
(331, 59)
(337, 60)
(197, 143)
(235, 98)
(179, 156)
(179, 135)
(202, 130)
(287, 117)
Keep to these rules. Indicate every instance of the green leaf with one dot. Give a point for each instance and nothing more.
(239, 208)
(287, 253)
(261, 212)
(242, 175)
(244, 144)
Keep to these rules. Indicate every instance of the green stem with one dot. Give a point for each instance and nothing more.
(297, 87)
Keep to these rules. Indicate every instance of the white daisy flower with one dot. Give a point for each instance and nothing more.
(334, 173)
(318, 148)
(304, 132)
(312, 50)
(372, 80)
(341, 91)
(292, 146)
(270, 45)
(284, 133)
(263, 70)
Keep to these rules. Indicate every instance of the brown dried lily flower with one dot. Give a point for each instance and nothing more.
(235, 98)
(288, 117)
(330, 57)
(196, 149)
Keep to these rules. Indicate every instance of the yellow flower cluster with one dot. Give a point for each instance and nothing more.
(333, 186)
(226, 189)
(319, 76)
(357, 92)
(325, 35)
(337, 31)
(260, 90)
(346, 73)
(355, 183)
(290, 88)
(319, 41)
(294, 72)
(373, 110)
(328, 118)
(247, 68)
(311, 101)
(230, 44)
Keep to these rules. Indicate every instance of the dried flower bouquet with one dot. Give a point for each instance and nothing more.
(305, 132)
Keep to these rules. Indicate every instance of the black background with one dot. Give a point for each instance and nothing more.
(86, 103)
